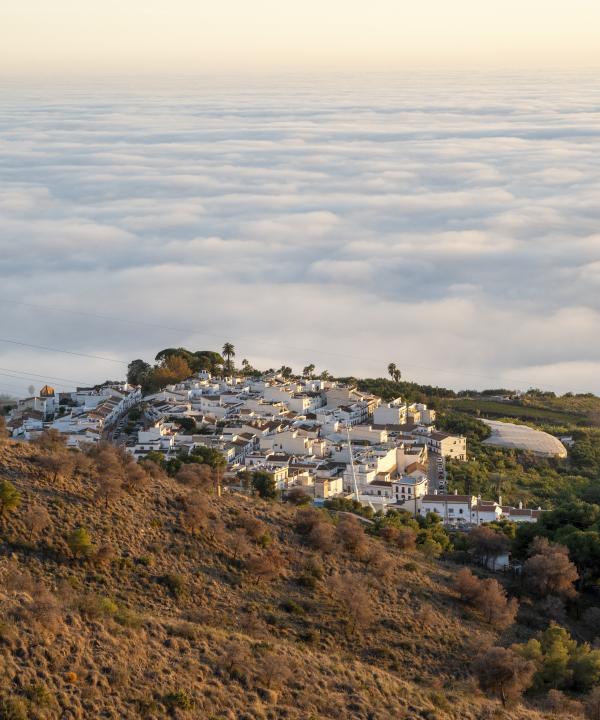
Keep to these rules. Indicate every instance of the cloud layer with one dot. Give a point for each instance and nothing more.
(451, 225)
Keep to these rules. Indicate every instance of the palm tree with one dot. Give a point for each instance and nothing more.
(286, 372)
(308, 371)
(228, 352)
(393, 372)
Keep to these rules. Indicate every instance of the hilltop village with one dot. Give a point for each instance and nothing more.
(209, 541)
(312, 436)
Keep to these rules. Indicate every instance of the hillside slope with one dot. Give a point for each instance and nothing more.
(239, 619)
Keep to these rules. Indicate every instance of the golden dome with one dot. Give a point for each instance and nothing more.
(47, 391)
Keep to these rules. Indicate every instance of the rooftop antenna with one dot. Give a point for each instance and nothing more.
(352, 464)
(356, 493)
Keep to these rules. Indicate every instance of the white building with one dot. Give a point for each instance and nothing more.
(453, 509)
(392, 413)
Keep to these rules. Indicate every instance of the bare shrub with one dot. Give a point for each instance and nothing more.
(83, 465)
(36, 519)
(351, 535)
(487, 544)
(217, 531)
(44, 609)
(13, 708)
(592, 704)
(549, 571)
(487, 596)
(353, 600)
(195, 511)
(497, 609)
(235, 659)
(18, 580)
(136, 477)
(406, 539)
(108, 488)
(322, 537)
(58, 464)
(105, 554)
(240, 545)
(152, 469)
(314, 567)
(503, 673)
(562, 705)
(262, 567)
(306, 519)
(51, 440)
(467, 585)
(380, 564)
(273, 671)
(195, 476)
(256, 529)
(3, 430)
(298, 496)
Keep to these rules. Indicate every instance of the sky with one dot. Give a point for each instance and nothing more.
(310, 202)
(79, 36)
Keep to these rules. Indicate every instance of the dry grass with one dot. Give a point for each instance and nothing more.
(162, 622)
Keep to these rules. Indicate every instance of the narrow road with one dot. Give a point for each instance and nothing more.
(433, 473)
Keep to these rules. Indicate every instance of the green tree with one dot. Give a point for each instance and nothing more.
(561, 663)
(10, 498)
(206, 456)
(308, 370)
(228, 353)
(137, 372)
(393, 372)
(80, 543)
(207, 360)
(264, 484)
(156, 457)
(585, 663)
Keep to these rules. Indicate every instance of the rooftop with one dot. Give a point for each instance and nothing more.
(523, 437)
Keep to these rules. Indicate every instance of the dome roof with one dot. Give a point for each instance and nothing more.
(523, 437)
(47, 391)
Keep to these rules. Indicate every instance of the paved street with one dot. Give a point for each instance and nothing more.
(434, 479)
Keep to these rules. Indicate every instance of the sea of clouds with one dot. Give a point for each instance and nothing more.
(449, 223)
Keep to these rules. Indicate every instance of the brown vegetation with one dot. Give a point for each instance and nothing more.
(549, 571)
(144, 596)
(488, 597)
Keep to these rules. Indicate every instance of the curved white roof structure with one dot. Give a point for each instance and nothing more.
(523, 437)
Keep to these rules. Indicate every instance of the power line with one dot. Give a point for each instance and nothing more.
(11, 390)
(59, 350)
(194, 331)
(30, 381)
(44, 377)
